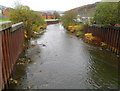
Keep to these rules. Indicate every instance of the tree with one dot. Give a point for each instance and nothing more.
(56, 14)
(30, 18)
(68, 19)
(107, 13)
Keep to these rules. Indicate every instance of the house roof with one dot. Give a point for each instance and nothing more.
(2, 7)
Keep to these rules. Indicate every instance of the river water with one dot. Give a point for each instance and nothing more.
(66, 62)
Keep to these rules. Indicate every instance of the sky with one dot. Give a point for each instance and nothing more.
(58, 5)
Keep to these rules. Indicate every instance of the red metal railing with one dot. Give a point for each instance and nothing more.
(109, 35)
(52, 22)
(11, 45)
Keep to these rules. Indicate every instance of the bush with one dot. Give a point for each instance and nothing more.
(89, 36)
(69, 19)
(79, 33)
(107, 13)
(32, 20)
(80, 27)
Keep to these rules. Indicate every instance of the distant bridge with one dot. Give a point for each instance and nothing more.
(51, 22)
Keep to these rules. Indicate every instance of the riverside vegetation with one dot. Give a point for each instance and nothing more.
(102, 17)
(33, 22)
(70, 23)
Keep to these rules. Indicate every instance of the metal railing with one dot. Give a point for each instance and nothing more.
(11, 45)
(109, 35)
(52, 22)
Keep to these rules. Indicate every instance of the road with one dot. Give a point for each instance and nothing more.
(66, 62)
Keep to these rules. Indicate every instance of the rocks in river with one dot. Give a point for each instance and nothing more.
(23, 60)
(13, 81)
(43, 45)
(100, 48)
(29, 87)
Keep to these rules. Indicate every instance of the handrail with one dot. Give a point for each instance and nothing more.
(17, 26)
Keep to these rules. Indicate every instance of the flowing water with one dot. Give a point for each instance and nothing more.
(66, 62)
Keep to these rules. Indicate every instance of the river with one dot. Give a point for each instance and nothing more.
(66, 62)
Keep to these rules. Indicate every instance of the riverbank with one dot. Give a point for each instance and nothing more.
(91, 39)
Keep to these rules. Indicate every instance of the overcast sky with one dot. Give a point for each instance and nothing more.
(61, 5)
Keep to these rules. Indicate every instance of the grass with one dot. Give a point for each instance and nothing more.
(4, 20)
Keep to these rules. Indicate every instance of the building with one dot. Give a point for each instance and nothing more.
(4, 11)
(48, 16)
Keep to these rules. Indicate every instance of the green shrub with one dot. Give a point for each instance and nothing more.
(80, 27)
(107, 13)
(68, 19)
(32, 20)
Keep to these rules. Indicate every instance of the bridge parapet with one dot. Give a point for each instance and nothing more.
(11, 45)
(51, 22)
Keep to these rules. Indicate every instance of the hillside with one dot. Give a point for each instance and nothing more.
(50, 11)
(86, 10)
